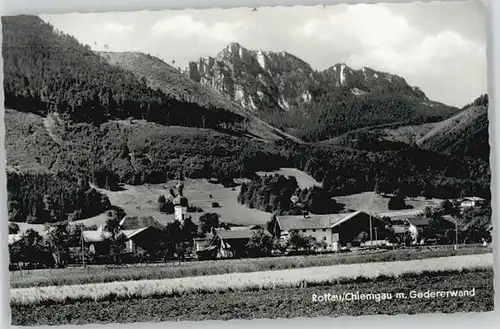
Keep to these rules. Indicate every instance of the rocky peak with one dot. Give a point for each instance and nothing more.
(262, 80)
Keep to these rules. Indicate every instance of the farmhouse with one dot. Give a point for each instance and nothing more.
(206, 247)
(334, 230)
(470, 202)
(134, 222)
(144, 238)
(14, 238)
(232, 242)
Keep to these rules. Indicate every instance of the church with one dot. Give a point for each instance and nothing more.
(180, 203)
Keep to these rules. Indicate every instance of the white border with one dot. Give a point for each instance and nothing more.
(422, 321)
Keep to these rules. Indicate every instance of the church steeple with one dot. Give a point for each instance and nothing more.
(180, 203)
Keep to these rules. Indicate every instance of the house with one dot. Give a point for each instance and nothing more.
(135, 222)
(14, 238)
(206, 247)
(232, 242)
(335, 230)
(136, 240)
(470, 202)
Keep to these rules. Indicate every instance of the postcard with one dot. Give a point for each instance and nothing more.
(248, 163)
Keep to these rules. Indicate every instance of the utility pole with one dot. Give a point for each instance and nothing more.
(456, 234)
(83, 251)
(371, 230)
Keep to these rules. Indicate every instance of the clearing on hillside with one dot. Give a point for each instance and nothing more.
(375, 203)
(303, 179)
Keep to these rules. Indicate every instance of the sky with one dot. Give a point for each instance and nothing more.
(437, 46)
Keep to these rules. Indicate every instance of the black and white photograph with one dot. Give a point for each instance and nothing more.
(248, 163)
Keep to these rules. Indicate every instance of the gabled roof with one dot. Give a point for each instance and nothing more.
(418, 221)
(237, 234)
(314, 221)
(135, 222)
(243, 228)
(205, 242)
(399, 214)
(100, 236)
(131, 233)
(95, 236)
(399, 229)
(472, 198)
(13, 238)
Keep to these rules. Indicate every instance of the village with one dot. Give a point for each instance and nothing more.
(306, 234)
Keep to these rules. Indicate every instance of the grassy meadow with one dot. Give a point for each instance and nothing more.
(98, 274)
(290, 278)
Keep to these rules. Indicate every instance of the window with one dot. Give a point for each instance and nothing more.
(324, 230)
(304, 231)
(324, 238)
(314, 230)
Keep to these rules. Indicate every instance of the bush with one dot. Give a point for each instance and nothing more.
(13, 228)
(215, 205)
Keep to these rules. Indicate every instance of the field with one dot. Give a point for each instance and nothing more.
(370, 201)
(142, 201)
(323, 275)
(97, 274)
(304, 180)
(276, 303)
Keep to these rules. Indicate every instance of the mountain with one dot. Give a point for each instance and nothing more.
(159, 75)
(465, 134)
(292, 96)
(258, 80)
(48, 71)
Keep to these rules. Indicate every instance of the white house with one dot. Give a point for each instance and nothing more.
(470, 202)
(334, 230)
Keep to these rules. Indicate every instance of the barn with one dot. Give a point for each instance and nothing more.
(232, 243)
(136, 240)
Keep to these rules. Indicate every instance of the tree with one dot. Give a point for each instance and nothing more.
(271, 225)
(260, 244)
(161, 203)
(298, 242)
(449, 208)
(58, 242)
(397, 202)
(33, 249)
(16, 213)
(13, 228)
(116, 238)
(208, 221)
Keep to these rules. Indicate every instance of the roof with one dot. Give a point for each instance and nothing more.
(243, 228)
(131, 233)
(236, 234)
(135, 222)
(180, 201)
(13, 238)
(399, 229)
(99, 236)
(418, 221)
(400, 214)
(95, 236)
(472, 198)
(205, 241)
(449, 219)
(314, 221)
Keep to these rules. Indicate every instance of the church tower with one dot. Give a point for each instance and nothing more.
(180, 204)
